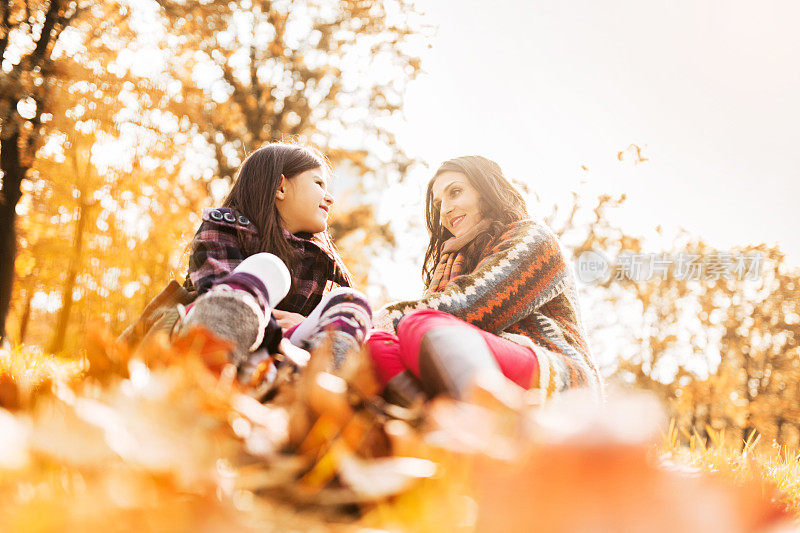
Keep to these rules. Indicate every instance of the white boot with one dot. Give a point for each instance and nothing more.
(236, 315)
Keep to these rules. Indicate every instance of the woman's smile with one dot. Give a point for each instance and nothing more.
(456, 220)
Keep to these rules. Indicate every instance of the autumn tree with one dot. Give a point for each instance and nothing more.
(105, 190)
(715, 334)
(755, 325)
(255, 72)
(113, 201)
(37, 63)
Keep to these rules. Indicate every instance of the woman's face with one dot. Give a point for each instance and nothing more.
(303, 202)
(457, 201)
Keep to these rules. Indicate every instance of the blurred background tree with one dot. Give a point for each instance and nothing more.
(35, 67)
(94, 149)
(719, 347)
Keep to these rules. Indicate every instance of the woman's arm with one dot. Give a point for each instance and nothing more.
(524, 271)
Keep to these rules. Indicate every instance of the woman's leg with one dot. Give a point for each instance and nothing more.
(384, 350)
(400, 386)
(517, 363)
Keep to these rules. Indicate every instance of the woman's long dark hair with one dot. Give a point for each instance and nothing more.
(500, 203)
(253, 195)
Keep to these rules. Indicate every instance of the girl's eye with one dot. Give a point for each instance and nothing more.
(454, 192)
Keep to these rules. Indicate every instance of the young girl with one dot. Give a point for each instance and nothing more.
(260, 264)
(500, 298)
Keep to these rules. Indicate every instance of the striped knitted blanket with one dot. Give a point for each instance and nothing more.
(522, 290)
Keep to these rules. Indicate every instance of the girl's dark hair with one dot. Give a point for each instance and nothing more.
(500, 202)
(253, 195)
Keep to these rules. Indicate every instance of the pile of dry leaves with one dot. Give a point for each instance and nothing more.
(165, 439)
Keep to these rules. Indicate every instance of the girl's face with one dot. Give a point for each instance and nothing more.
(457, 201)
(303, 202)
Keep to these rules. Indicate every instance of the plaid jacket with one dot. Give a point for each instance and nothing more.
(225, 238)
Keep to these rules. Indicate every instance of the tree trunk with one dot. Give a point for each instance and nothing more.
(25, 318)
(13, 174)
(60, 334)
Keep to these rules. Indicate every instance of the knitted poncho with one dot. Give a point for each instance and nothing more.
(522, 290)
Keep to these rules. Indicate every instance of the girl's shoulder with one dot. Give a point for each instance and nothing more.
(226, 226)
(228, 218)
(222, 241)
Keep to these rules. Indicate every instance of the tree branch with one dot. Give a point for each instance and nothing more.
(4, 18)
(36, 57)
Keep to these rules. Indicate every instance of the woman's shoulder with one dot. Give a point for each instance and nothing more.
(524, 240)
(531, 229)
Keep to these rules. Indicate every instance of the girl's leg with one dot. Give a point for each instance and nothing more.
(517, 363)
(343, 316)
(238, 306)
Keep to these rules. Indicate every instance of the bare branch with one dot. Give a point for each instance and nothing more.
(4, 25)
(36, 57)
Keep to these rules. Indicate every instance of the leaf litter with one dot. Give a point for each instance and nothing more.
(165, 439)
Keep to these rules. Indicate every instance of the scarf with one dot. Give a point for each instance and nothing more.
(451, 262)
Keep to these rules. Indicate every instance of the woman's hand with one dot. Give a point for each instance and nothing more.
(287, 320)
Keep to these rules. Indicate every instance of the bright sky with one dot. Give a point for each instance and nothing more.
(708, 88)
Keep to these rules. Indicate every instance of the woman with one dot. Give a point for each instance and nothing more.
(500, 297)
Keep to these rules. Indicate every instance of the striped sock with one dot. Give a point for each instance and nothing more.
(344, 316)
(250, 284)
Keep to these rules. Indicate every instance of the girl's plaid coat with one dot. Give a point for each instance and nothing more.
(225, 238)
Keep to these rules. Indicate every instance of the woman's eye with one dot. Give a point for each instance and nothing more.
(454, 192)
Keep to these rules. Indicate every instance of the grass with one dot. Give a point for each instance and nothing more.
(738, 461)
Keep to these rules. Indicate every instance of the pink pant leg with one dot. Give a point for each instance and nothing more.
(517, 363)
(384, 350)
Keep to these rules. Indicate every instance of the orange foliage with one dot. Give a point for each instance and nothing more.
(176, 443)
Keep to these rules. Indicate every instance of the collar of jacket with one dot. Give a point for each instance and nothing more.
(306, 238)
